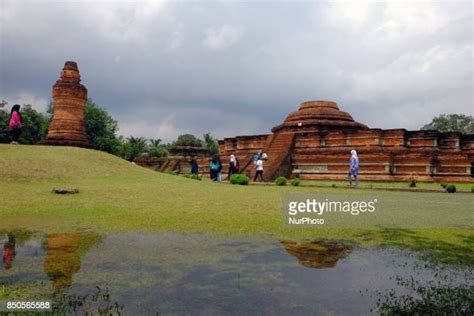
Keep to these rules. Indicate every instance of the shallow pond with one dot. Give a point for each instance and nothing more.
(171, 273)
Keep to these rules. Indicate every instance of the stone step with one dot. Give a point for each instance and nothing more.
(279, 149)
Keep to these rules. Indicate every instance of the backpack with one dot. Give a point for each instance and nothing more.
(214, 166)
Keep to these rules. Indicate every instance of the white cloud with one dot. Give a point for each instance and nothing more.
(349, 14)
(23, 97)
(417, 17)
(221, 38)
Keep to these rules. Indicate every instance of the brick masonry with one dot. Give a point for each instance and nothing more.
(317, 140)
(67, 126)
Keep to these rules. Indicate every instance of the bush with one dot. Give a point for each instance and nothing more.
(192, 176)
(451, 188)
(412, 181)
(296, 182)
(239, 179)
(171, 173)
(444, 185)
(281, 181)
(158, 151)
(472, 189)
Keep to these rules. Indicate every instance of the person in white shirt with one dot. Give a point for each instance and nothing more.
(258, 170)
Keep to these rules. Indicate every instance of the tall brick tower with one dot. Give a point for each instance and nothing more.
(67, 127)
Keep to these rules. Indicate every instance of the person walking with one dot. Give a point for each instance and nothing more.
(256, 157)
(232, 165)
(194, 167)
(16, 123)
(258, 170)
(215, 168)
(237, 165)
(354, 168)
(219, 170)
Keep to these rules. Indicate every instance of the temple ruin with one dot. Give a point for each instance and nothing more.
(67, 126)
(179, 160)
(315, 142)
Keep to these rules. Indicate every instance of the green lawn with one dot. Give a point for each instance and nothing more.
(116, 195)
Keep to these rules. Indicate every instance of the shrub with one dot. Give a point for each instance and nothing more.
(239, 179)
(412, 181)
(296, 182)
(192, 176)
(451, 188)
(281, 181)
(444, 185)
(171, 173)
(158, 151)
(234, 178)
(472, 189)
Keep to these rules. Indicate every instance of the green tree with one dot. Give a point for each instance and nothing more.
(35, 125)
(452, 123)
(101, 128)
(211, 144)
(188, 140)
(155, 142)
(4, 130)
(132, 147)
(157, 149)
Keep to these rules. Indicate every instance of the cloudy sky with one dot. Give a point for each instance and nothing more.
(163, 68)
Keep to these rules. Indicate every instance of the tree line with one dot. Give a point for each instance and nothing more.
(102, 132)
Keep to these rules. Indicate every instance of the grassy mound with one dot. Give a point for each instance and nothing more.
(49, 163)
(116, 195)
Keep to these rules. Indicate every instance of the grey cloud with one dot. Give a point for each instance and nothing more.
(236, 68)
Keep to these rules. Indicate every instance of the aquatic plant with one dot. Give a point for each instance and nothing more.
(443, 296)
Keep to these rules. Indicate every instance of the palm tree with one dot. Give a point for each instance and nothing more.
(155, 142)
(140, 143)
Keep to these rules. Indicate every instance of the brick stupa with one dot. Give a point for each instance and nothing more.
(67, 126)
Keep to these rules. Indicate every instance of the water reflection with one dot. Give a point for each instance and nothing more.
(318, 254)
(9, 252)
(170, 273)
(9, 246)
(63, 255)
